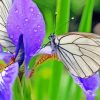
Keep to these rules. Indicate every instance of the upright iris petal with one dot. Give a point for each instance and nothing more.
(89, 85)
(25, 18)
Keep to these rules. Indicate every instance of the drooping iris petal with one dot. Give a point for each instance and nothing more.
(5, 56)
(5, 94)
(25, 18)
(89, 85)
(7, 78)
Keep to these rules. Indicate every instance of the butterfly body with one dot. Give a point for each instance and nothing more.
(79, 52)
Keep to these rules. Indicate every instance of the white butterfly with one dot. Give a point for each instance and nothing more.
(80, 52)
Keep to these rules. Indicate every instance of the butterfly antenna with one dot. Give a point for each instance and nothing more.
(72, 18)
(45, 45)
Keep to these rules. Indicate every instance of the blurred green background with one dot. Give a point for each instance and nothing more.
(51, 81)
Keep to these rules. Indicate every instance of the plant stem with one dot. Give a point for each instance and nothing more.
(86, 20)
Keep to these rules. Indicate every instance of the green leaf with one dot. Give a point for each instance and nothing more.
(86, 20)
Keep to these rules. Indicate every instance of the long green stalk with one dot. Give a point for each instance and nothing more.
(86, 20)
(62, 16)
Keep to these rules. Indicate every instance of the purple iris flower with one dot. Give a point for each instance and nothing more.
(25, 32)
(25, 18)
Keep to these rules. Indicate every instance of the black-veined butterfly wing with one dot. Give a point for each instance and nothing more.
(5, 41)
(80, 53)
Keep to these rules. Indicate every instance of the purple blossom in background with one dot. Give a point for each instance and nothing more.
(89, 85)
(25, 18)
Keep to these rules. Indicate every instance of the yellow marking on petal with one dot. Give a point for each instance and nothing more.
(3, 65)
(41, 60)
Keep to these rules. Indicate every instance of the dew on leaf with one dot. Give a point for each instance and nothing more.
(16, 11)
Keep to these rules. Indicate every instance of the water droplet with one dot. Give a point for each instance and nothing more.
(35, 30)
(38, 26)
(16, 40)
(32, 14)
(26, 20)
(18, 27)
(39, 40)
(38, 15)
(72, 18)
(56, 13)
(16, 11)
(31, 9)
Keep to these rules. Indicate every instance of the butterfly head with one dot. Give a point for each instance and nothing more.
(52, 38)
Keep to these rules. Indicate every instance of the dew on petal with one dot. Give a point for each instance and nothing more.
(26, 19)
(31, 9)
(16, 11)
(18, 27)
(16, 40)
(38, 15)
(39, 40)
(33, 14)
(38, 26)
(35, 30)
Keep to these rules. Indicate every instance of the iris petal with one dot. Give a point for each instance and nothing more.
(89, 85)
(7, 77)
(25, 18)
(5, 56)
